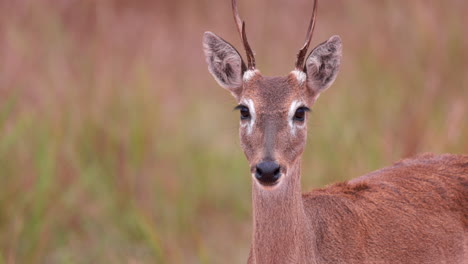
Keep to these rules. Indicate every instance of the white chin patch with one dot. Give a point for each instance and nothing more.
(248, 75)
(300, 76)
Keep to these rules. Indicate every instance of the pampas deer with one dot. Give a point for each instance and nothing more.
(415, 211)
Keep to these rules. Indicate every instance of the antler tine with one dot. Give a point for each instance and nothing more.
(237, 18)
(241, 29)
(302, 53)
(248, 50)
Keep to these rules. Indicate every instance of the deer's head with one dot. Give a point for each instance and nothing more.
(273, 110)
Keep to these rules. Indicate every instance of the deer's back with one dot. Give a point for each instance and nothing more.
(415, 211)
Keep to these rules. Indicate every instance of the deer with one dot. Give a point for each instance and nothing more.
(414, 211)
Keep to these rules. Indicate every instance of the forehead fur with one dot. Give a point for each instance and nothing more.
(275, 93)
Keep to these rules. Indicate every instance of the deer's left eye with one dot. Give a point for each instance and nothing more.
(300, 114)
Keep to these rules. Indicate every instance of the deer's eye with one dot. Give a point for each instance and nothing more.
(300, 113)
(244, 112)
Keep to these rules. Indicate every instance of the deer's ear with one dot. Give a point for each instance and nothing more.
(224, 62)
(323, 65)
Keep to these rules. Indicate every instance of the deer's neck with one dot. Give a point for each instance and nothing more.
(281, 228)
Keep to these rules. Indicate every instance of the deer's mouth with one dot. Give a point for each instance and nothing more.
(268, 184)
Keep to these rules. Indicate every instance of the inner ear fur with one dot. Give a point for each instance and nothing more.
(224, 62)
(323, 64)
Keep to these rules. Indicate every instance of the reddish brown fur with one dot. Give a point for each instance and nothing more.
(412, 212)
(272, 97)
(415, 211)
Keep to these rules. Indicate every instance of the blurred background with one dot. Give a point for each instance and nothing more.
(117, 146)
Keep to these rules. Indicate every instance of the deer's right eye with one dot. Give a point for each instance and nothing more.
(244, 112)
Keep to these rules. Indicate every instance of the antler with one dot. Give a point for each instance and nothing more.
(302, 53)
(241, 29)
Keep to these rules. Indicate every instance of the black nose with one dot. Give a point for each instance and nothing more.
(268, 172)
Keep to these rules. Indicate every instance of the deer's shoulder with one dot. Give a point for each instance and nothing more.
(420, 182)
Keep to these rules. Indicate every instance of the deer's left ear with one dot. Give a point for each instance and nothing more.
(323, 65)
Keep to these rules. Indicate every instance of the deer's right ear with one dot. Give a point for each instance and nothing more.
(224, 63)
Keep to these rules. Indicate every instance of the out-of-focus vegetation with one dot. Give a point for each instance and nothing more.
(117, 146)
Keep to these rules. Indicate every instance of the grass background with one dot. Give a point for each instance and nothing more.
(117, 146)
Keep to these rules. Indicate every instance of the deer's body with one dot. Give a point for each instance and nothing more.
(415, 211)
